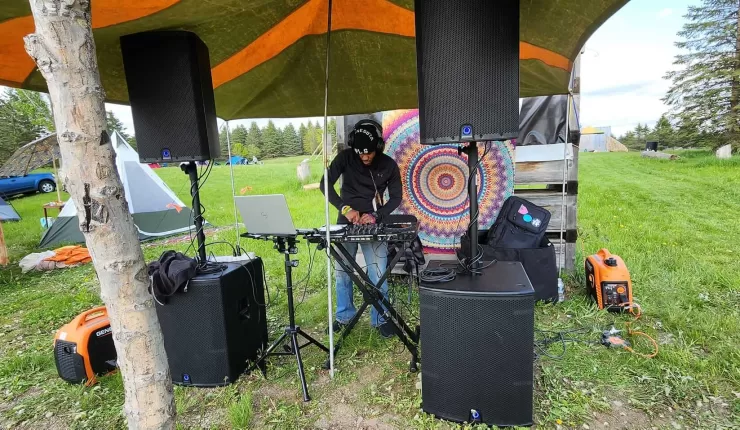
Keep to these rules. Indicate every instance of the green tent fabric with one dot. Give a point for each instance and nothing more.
(156, 210)
(268, 56)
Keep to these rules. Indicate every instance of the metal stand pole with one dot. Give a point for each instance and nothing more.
(192, 170)
(292, 331)
(472, 152)
(326, 193)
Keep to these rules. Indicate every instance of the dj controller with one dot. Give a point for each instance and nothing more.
(393, 230)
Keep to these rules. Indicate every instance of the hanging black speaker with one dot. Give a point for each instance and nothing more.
(477, 343)
(168, 74)
(467, 56)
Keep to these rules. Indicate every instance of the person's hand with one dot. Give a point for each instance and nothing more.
(353, 216)
(367, 219)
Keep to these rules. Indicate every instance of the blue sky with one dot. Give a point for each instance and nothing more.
(624, 63)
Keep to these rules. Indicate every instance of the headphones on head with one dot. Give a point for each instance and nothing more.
(379, 128)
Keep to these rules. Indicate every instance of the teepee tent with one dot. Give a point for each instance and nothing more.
(7, 213)
(156, 209)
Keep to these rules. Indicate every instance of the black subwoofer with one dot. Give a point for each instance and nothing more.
(168, 74)
(477, 342)
(468, 70)
(217, 326)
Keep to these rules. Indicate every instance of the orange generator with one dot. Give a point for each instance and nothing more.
(84, 347)
(608, 281)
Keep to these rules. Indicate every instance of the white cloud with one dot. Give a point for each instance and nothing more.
(623, 67)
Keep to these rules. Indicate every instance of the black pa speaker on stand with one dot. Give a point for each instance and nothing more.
(215, 328)
(477, 336)
(168, 74)
(467, 56)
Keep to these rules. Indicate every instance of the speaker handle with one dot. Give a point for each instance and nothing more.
(244, 309)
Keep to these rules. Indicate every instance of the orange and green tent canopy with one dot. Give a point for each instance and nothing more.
(268, 56)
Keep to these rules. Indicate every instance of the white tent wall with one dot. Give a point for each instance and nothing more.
(156, 209)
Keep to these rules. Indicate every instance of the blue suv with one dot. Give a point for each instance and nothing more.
(30, 183)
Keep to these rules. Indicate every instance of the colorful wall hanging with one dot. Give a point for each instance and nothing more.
(435, 181)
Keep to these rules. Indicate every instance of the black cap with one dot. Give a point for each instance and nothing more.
(366, 139)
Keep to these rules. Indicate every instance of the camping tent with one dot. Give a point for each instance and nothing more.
(156, 209)
(7, 213)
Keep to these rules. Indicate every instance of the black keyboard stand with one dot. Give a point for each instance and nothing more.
(373, 297)
(286, 246)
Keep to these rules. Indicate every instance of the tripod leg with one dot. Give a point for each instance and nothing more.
(261, 361)
(312, 341)
(297, 352)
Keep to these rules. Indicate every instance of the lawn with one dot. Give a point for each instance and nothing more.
(674, 223)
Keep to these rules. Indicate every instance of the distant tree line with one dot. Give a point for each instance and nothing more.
(271, 141)
(704, 96)
(26, 116)
(668, 136)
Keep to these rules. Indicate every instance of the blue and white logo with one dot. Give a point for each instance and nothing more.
(474, 416)
(166, 155)
(185, 377)
(466, 132)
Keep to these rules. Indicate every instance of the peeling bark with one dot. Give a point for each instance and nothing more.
(64, 51)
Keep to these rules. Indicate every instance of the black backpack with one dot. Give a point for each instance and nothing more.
(520, 224)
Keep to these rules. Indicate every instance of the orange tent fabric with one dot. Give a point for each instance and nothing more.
(268, 56)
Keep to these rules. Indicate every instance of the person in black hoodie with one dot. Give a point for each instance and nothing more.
(366, 174)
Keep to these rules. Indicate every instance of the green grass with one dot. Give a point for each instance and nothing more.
(675, 224)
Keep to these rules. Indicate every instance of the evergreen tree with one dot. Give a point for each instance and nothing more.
(291, 142)
(239, 135)
(223, 142)
(252, 151)
(308, 139)
(254, 136)
(271, 141)
(302, 136)
(24, 117)
(115, 124)
(705, 90)
(664, 133)
(333, 130)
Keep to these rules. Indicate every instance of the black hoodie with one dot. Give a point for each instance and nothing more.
(358, 189)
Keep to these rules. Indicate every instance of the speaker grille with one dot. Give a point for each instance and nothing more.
(171, 93)
(477, 353)
(213, 329)
(468, 69)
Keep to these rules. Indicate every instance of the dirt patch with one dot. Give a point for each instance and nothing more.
(714, 413)
(344, 409)
(623, 417)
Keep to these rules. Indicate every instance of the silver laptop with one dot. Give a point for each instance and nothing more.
(266, 214)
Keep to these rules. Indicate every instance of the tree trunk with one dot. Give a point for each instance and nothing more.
(3, 248)
(735, 91)
(64, 51)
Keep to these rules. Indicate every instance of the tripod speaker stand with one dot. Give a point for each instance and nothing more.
(286, 246)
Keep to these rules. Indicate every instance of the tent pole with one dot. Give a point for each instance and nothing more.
(326, 194)
(563, 248)
(56, 175)
(233, 187)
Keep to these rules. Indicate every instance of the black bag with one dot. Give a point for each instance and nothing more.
(520, 225)
(540, 263)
